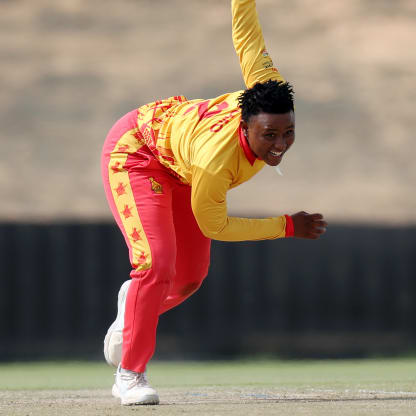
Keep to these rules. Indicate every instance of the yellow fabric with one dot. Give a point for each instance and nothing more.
(198, 141)
(140, 253)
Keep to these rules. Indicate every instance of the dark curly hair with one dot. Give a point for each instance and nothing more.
(275, 97)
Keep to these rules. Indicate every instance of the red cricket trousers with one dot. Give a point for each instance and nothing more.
(168, 252)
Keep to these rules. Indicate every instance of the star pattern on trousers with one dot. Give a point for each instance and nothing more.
(142, 258)
(140, 261)
(127, 212)
(121, 189)
(135, 235)
(116, 167)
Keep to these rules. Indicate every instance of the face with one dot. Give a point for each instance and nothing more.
(270, 135)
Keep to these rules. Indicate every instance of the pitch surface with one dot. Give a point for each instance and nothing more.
(366, 387)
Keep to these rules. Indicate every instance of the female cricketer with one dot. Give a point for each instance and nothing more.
(167, 167)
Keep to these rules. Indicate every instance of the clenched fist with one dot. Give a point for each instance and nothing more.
(310, 226)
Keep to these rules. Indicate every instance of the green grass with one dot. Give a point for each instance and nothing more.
(375, 374)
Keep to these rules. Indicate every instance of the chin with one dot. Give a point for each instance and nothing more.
(273, 163)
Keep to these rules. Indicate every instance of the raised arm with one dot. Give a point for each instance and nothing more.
(256, 64)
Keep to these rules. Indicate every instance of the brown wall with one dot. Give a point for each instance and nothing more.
(70, 68)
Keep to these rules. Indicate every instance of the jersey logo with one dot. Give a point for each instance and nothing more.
(225, 120)
(203, 107)
(156, 186)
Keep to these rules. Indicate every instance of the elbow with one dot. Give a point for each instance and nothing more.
(208, 235)
(212, 230)
(212, 222)
(211, 233)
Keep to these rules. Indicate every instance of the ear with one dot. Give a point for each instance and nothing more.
(244, 127)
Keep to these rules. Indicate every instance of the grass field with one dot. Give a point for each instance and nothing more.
(350, 387)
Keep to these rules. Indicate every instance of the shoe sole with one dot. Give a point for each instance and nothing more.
(114, 336)
(146, 400)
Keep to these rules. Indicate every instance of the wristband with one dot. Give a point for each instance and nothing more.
(290, 229)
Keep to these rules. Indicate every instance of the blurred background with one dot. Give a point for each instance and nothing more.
(69, 69)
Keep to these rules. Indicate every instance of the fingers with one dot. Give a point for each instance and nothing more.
(317, 226)
(317, 221)
(300, 214)
(316, 233)
(315, 217)
(310, 226)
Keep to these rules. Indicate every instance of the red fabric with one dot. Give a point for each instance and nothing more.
(290, 229)
(251, 157)
(120, 127)
(179, 251)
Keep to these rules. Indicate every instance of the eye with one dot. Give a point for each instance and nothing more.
(290, 132)
(270, 136)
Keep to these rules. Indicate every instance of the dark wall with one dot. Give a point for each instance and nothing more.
(352, 293)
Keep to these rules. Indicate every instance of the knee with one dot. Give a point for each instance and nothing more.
(189, 288)
(165, 270)
(160, 273)
(200, 272)
(159, 261)
(197, 274)
(196, 268)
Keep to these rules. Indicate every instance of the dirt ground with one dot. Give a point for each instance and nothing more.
(71, 68)
(212, 401)
(315, 387)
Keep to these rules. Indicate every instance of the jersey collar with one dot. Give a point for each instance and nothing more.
(251, 157)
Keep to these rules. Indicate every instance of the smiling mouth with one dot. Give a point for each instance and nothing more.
(276, 154)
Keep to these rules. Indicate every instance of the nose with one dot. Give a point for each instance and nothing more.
(280, 144)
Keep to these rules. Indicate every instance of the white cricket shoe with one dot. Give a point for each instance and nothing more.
(113, 341)
(133, 388)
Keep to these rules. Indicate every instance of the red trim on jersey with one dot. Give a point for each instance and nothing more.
(251, 157)
(290, 229)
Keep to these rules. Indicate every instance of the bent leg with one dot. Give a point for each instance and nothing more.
(140, 196)
(193, 250)
(153, 272)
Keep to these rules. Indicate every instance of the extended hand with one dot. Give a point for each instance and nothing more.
(310, 226)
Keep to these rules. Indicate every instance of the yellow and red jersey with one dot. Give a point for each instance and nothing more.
(200, 141)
